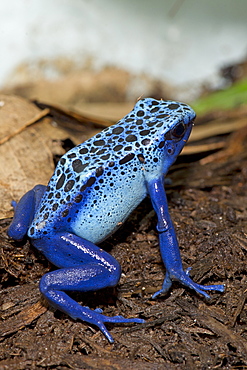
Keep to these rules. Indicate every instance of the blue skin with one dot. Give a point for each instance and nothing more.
(94, 188)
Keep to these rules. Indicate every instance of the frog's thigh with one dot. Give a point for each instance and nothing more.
(83, 265)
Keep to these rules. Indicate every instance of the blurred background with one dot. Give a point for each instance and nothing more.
(76, 52)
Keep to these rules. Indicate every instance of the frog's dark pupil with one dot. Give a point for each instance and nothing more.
(179, 130)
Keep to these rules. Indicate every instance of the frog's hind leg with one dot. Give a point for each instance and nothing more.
(24, 212)
(83, 267)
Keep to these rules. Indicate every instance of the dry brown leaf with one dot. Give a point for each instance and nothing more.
(15, 114)
(214, 126)
(67, 116)
(25, 152)
(111, 111)
(217, 127)
(26, 160)
(200, 148)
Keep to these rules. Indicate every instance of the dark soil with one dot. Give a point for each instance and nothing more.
(208, 204)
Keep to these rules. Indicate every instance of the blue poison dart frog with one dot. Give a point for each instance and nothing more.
(94, 188)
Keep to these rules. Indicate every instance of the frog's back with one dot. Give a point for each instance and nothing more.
(98, 183)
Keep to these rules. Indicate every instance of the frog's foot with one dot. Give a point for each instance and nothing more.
(101, 319)
(183, 277)
(95, 317)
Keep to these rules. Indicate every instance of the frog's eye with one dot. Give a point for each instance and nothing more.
(178, 130)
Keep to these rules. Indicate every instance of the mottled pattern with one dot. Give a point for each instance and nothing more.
(98, 183)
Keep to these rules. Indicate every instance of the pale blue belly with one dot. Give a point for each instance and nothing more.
(96, 221)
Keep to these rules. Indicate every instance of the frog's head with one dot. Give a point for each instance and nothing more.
(169, 125)
(174, 139)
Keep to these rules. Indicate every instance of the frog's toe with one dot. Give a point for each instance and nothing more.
(165, 287)
(217, 287)
(159, 292)
(117, 318)
(187, 271)
(14, 204)
(106, 333)
(201, 289)
(98, 310)
(121, 319)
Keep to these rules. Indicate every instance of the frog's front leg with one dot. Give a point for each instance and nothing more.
(169, 245)
(24, 212)
(83, 267)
